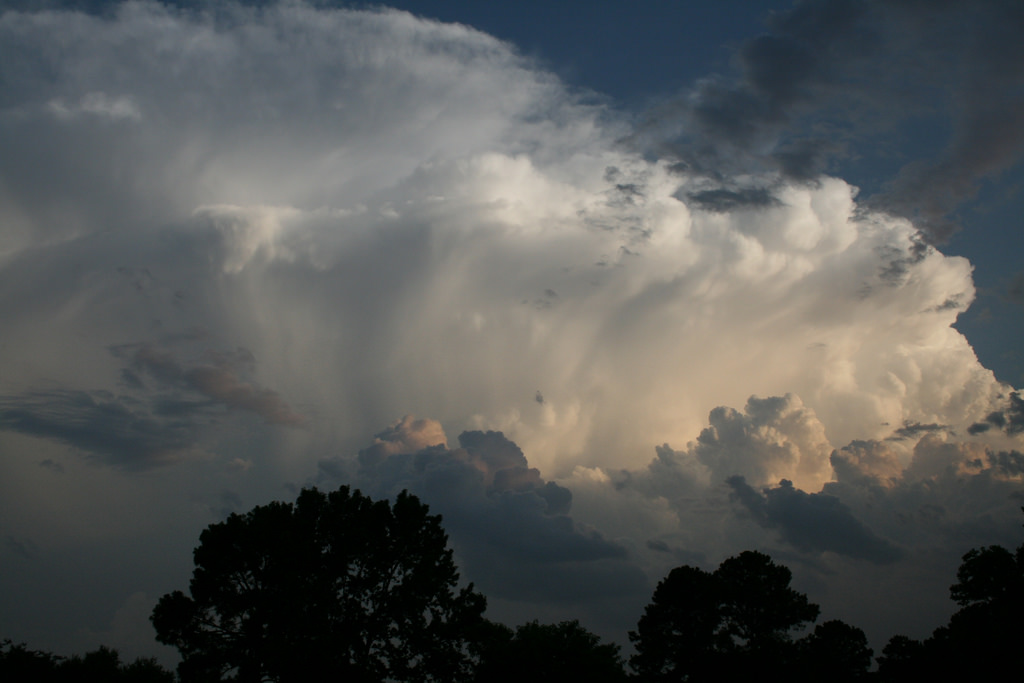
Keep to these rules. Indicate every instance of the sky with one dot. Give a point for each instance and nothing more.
(611, 287)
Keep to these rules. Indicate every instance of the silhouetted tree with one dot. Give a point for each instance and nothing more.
(981, 638)
(100, 665)
(902, 658)
(548, 653)
(719, 626)
(834, 651)
(334, 585)
(19, 664)
(104, 665)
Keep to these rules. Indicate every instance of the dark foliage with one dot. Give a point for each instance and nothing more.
(18, 664)
(834, 651)
(730, 624)
(981, 638)
(548, 653)
(334, 585)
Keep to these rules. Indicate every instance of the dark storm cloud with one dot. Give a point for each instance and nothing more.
(1008, 463)
(812, 522)
(52, 465)
(953, 493)
(217, 379)
(658, 546)
(721, 200)
(898, 263)
(1015, 290)
(116, 429)
(1010, 419)
(157, 418)
(512, 529)
(486, 489)
(913, 430)
(827, 67)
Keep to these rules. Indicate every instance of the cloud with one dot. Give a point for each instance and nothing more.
(96, 104)
(1009, 463)
(495, 241)
(216, 378)
(812, 522)
(940, 489)
(830, 80)
(500, 512)
(913, 429)
(722, 200)
(775, 438)
(1015, 290)
(873, 460)
(115, 429)
(159, 415)
(324, 218)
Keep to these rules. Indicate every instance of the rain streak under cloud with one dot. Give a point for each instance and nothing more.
(267, 248)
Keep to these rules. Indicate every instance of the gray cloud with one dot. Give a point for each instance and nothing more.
(1008, 463)
(115, 429)
(867, 460)
(943, 493)
(813, 522)
(911, 430)
(52, 465)
(511, 529)
(1015, 290)
(1010, 419)
(159, 416)
(723, 200)
(216, 378)
(873, 65)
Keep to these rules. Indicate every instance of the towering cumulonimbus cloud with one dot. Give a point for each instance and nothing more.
(238, 243)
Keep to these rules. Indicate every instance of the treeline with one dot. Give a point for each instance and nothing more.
(19, 663)
(340, 586)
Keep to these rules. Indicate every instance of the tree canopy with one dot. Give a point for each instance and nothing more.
(337, 585)
(333, 585)
(548, 653)
(20, 664)
(981, 637)
(737, 622)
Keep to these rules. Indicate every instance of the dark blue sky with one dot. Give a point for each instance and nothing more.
(632, 52)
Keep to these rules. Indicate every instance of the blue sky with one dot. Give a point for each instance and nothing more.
(696, 278)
